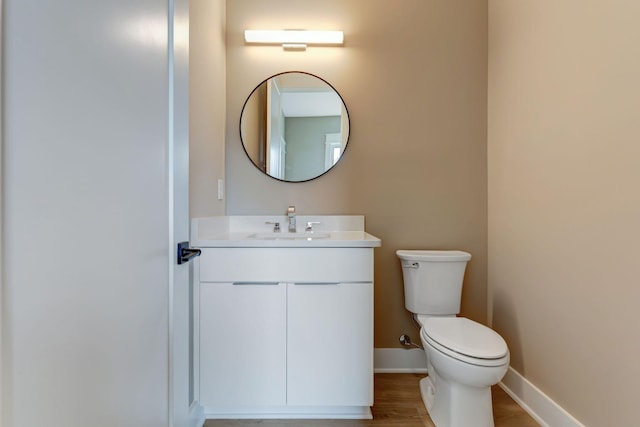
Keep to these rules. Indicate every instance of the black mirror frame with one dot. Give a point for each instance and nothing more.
(247, 101)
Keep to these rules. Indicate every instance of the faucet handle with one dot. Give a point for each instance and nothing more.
(276, 226)
(309, 227)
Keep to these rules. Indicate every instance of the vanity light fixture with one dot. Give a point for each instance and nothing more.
(294, 39)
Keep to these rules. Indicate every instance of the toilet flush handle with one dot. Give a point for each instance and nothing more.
(412, 265)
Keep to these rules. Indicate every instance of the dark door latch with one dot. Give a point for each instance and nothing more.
(185, 253)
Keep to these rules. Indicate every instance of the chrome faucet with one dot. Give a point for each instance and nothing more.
(291, 213)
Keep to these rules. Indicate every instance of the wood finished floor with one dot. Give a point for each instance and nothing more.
(397, 403)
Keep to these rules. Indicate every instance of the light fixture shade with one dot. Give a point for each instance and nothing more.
(294, 37)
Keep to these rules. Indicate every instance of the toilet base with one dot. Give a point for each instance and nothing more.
(427, 392)
(460, 407)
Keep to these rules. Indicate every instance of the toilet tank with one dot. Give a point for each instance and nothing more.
(433, 280)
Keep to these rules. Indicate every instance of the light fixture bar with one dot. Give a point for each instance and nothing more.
(294, 37)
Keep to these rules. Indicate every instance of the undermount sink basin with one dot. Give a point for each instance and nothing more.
(289, 236)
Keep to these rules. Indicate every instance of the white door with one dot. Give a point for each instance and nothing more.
(276, 147)
(92, 299)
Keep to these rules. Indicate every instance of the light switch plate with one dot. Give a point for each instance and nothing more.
(220, 189)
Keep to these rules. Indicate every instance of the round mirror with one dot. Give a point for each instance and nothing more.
(294, 126)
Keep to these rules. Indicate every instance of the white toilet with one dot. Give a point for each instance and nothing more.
(464, 358)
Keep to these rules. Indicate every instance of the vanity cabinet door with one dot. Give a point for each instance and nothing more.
(330, 344)
(243, 344)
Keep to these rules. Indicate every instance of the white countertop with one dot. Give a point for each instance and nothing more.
(334, 231)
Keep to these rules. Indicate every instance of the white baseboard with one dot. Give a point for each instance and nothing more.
(537, 404)
(399, 360)
(290, 412)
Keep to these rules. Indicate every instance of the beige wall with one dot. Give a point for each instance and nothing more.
(207, 99)
(413, 76)
(564, 199)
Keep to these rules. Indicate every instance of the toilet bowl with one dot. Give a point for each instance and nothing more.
(464, 358)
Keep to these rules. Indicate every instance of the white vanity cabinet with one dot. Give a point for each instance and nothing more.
(285, 332)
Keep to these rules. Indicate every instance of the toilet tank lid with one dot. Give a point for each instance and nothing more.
(466, 337)
(433, 255)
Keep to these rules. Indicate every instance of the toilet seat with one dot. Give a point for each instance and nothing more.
(465, 340)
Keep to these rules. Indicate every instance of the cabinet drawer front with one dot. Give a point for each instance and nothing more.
(286, 265)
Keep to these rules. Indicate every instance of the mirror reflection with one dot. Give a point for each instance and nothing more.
(294, 126)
